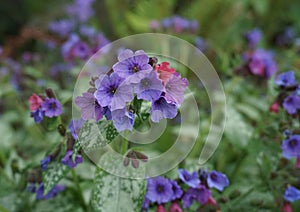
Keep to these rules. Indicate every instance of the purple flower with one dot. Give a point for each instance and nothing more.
(52, 193)
(291, 103)
(67, 160)
(80, 50)
(62, 27)
(90, 108)
(291, 147)
(177, 191)
(193, 25)
(159, 190)
(286, 79)
(162, 109)
(81, 9)
(191, 180)
(200, 43)
(175, 87)
(68, 45)
(99, 41)
(52, 107)
(38, 115)
(166, 22)
(45, 162)
(253, 37)
(261, 63)
(154, 25)
(112, 91)
(291, 194)
(122, 119)
(146, 204)
(87, 31)
(75, 126)
(133, 66)
(180, 24)
(217, 180)
(150, 87)
(201, 194)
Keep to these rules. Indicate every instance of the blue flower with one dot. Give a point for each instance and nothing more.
(253, 37)
(89, 106)
(177, 191)
(75, 126)
(162, 109)
(200, 43)
(62, 27)
(159, 190)
(113, 92)
(217, 180)
(133, 66)
(52, 193)
(150, 87)
(146, 204)
(122, 119)
(286, 79)
(191, 180)
(291, 104)
(291, 194)
(67, 160)
(175, 87)
(201, 194)
(291, 147)
(45, 162)
(38, 115)
(52, 107)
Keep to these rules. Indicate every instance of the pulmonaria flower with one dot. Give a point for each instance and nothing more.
(154, 25)
(123, 119)
(297, 165)
(291, 147)
(274, 108)
(38, 115)
(52, 193)
(291, 194)
(180, 24)
(162, 109)
(287, 207)
(175, 87)
(177, 191)
(45, 162)
(62, 27)
(75, 126)
(161, 208)
(67, 160)
(159, 190)
(191, 179)
(34, 102)
(89, 107)
(132, 66)
(146, 204)
(261, 63)
(291, 104)
(80, 50)
(253, 37)
(175, 207)
(81, 10)
(286, 79)
(52, 107)
(217, 180)
(165, 72)
(200, 194)
(150, 87)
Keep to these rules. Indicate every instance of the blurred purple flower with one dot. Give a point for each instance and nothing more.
(38, 115)
(122, 119)
(81, 10)
(67, 160)
(201, 194)
(154, 25)
(45, 162)
(193, 24)
(175, 207)
(291, 194)
(253, 37)
(217, 180)
(180, 24)
(159, 190)
(87, 31)
(90, 108)
(146, 204)
(291, 104)
(175, 87)
(75, 126)
(80, 50)
(200, 43)
(177, 191)
(52, 107)
(191, 179)
(68, 45)
(52, 193)
(62, 27)
(150, 87)
(113, 92)
(286, 79)
(162, 109)
(291, 147)
(166, 22)
(132, 66)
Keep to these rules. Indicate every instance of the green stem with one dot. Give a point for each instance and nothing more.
(79, 189)
(124, 146)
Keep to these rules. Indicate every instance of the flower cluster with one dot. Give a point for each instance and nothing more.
(41, 106)
(38, 189)
(175, 23)
(161, 190)
(135, 78)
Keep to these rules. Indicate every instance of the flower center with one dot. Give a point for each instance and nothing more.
(146, 82)
(213, 177)
(53, 105)
(293, 143)
(160, 188)
(135, 69)
(113, 90)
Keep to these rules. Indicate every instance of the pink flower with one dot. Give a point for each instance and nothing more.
(34, 102)
(297, 165)
(160, 208)
(175, 207)
(274, 108)
(287, 207)
(164, 71)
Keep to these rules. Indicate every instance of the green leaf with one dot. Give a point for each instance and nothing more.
(113, 193)
(54, 173)
(51, 123)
